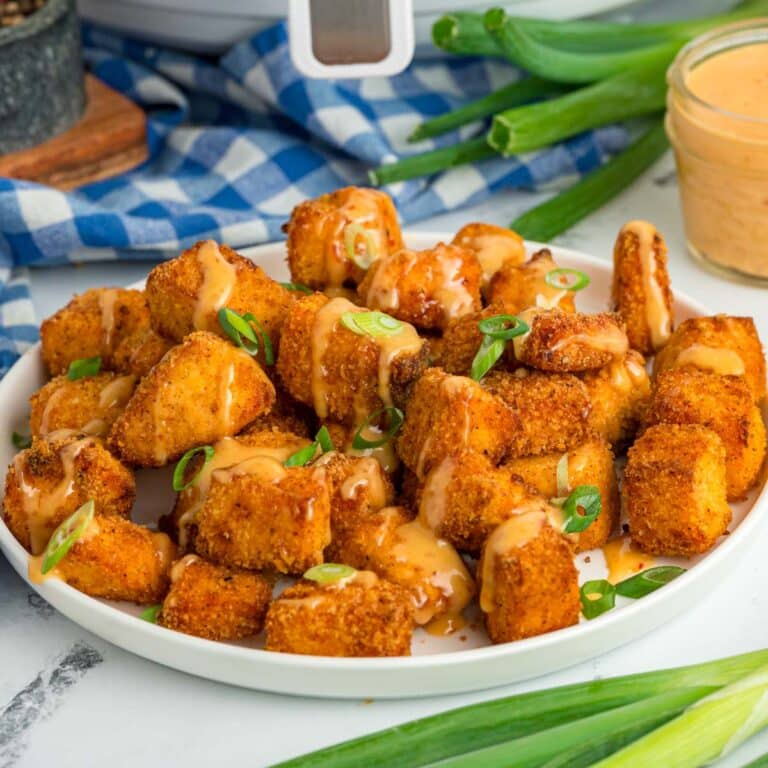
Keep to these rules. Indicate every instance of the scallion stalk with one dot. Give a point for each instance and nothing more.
(759, 762)
(464, 33)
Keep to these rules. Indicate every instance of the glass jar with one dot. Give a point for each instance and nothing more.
(717, 123)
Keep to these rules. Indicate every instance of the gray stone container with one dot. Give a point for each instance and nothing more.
(41, 76)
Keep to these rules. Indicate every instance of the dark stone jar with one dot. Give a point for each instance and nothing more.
(41, 76)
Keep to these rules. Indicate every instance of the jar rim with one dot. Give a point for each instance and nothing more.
(727, 37)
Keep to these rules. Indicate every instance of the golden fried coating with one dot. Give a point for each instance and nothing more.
(93, 324)
(590, 463)
(725, 405)
(563, 342)
(286, 415)
(619, 394)
(343, 374)
(465, 497)
(215, 602)
(402, 550)
(265, 515)
(325, 233)
(551, 410)
(493, 246)
(675, 490)
(641, 291)
(449, 414)
(186, 293)
(723, 344)
(517, 287)
(426, 288)
(140, 351)
(118, 560)
(528, 581)
(49, 481)
(89, 405)
(202, 390)
(358, 616)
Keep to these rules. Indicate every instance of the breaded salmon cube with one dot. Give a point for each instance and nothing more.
(334, 238)
(722, 344)
(528, 581)
(93, 324)
(202, 390)
(493, 246)
(89, 405)
(264, 515)
(345, 374)
(675, 490)
(360, 615)
(590, 463)
(570, 342)
(517, 287)
(186, 293)
(426, 288)
(140, 351)
(725, 405)
(465, 497)
(551, 410)
(449, 414)
(118, 560)
(619, 394)
(213, 601)
(49, 481)
(286, 415)
(641, 289)
(403, 550)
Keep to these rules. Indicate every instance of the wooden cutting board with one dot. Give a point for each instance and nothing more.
(110, 138)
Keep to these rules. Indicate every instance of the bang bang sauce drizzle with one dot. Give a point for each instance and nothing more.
(218, 282)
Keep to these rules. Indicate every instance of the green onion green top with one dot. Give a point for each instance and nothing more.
(178, 473)
(300, 287)
(395, 418)
(240, 330)
(504, 327)
(587, 499)
(372, 323)
(567, 279)
(87, 366)
(327, 573)
(354, 231)
(65, 536)
(322, 443)
(21, 441)
(597, 597)
(150, 614)
(648, 581)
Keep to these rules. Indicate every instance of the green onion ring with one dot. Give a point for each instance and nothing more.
(487, 356)
(586, 497)
(323, 439)
(327, 573)
(150, 614)
(351, 233)
(647, 581)
(269, 354)
(395, 418)
(20, 441)
(64, 537)
(372, 323)
(178, 473)
(592, 607)
(504, 327)
(300, 287)
(304, 455)
(239, 330)
(86, 366)
(553, 278)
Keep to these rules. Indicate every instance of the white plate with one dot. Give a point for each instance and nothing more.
(439, 665)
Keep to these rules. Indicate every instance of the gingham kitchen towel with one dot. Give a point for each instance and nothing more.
(236, 143)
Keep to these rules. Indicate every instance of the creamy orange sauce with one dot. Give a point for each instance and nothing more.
(117, 392)
(527, 316)
(50, 405)
(35, 570)
(165, 549)
(453, 295)
(367, 474)
(492, 245)
(407, 342)
(107, 300)
(385, 454)
(726, 362)
(628, 374)
(181, 565)
(434, 495)
(384, 289)
(623, 559)
(94, 428)
(219, 278)
(547, 297)
(226, 397)
(610, 339)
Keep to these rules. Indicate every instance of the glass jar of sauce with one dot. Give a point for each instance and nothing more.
(717, 122)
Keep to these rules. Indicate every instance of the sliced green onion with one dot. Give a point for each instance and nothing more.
(21, 441)
(587, 498)
(487, 356)
(322, 443)
(371, 323)
(150, 614)
(66, 535)
(351, 233)
(647, 581)
(567, 279)
(297, 287)
(327, 573)
(239, 330)
(86, 366)
(266, 342)
(395, 418)
(759, 762)
(178, 473)
(504, 327)
(597, 597)
(323, 438)
(561, 474)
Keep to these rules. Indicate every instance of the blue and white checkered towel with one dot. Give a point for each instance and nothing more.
(235, 144)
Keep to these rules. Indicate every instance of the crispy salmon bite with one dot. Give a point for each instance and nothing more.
(213, 601)
(333, 239)
(88, 405)
(140, 351)
(344, 370)
(357, 615)
(49, 481)
(202, 390)
(494, 246)
(722, 344)
(425, 288)
(725, 405)
(675, 490)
